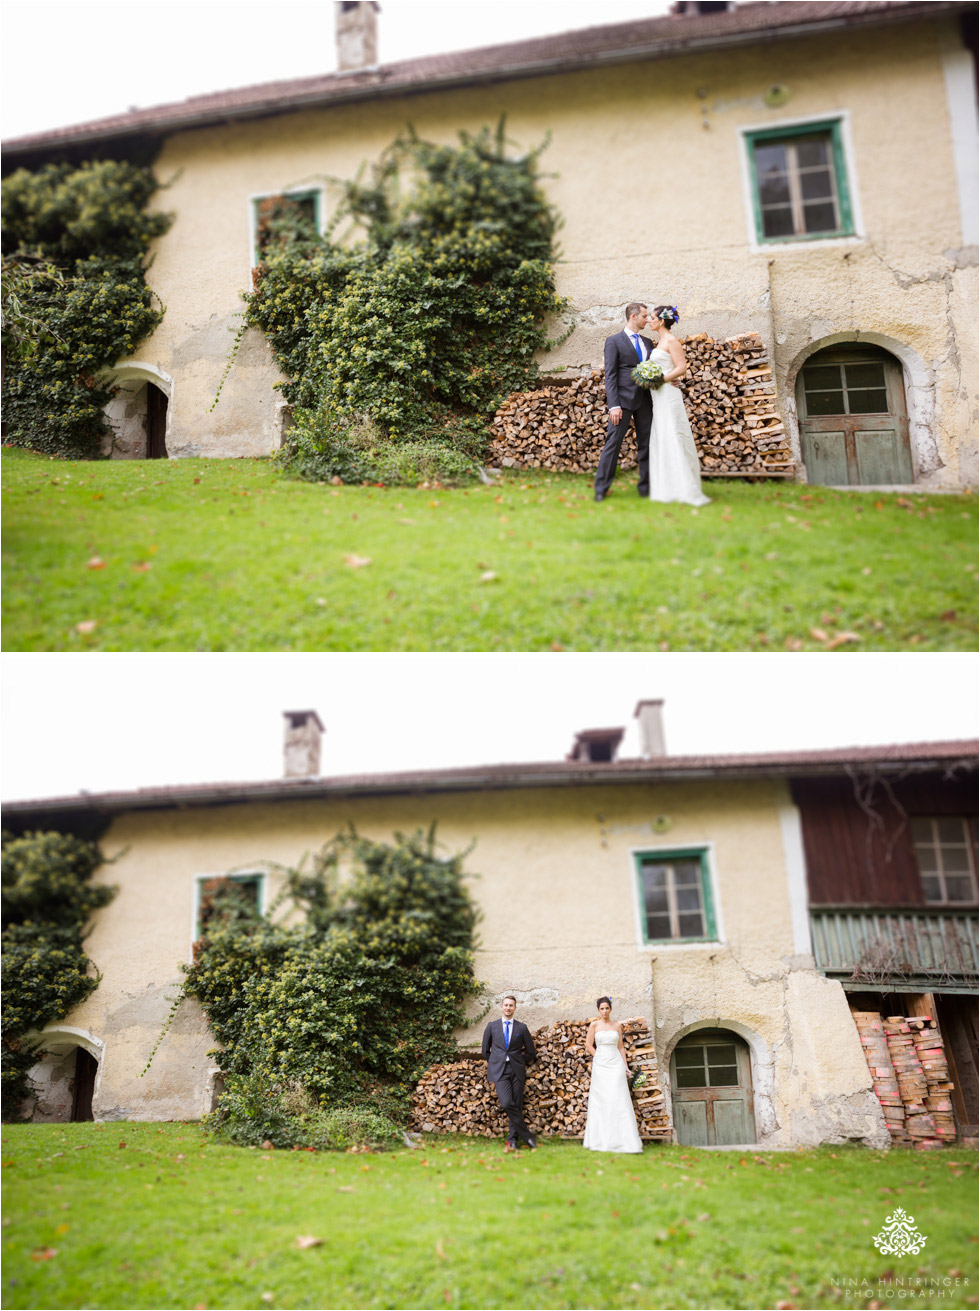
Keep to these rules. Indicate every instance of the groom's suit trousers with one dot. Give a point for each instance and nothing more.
(510, 1095)
(642, 417)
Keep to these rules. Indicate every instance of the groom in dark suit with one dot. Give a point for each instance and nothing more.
(623, 352)
(508, 1049)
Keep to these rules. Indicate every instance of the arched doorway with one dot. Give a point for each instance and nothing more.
(711, 1089)
(65, 1078)
(854, 428)
(138, 413)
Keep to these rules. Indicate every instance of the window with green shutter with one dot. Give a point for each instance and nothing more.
(799, 183)
(674, 891)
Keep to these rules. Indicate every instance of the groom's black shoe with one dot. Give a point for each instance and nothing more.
(600, 496)
(532, 1143)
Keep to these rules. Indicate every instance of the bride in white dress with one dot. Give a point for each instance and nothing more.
(675, 471)
(610, 1125)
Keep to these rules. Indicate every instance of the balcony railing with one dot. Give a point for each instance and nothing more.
(902, 950)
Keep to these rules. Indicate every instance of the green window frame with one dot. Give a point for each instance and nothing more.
(253, 879)
(799, 168)
(304, 196)
(674, 892)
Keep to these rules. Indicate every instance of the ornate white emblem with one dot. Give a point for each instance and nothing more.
(900, 1237)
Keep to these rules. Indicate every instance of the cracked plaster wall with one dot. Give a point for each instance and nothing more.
(555, 881)
(645, 164)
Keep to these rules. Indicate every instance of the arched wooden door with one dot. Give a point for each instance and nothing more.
(854, 427)
(711, 1088)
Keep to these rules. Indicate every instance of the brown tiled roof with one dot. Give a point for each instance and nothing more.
(479, 778)
(640, 39)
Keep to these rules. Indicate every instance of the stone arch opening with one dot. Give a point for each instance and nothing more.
(760, 1069)
(67, 1076)
(140, 413)
(915, 407)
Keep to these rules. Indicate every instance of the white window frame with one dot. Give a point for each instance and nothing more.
(940, 872)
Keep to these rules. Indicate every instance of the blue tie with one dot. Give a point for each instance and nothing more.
(506, 1033)
(639, 348)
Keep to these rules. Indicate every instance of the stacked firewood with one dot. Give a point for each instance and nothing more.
(456, 1098)
(730, 397)
(911, 1077)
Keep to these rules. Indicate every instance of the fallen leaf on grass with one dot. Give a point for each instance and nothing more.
(142, 567)
(440, 1253)
(819, 635)
(44, 1254)
(947, 616)
(96, 562)
(307, 1240)
(488, 577)
(842, 639)
(87, 626)
(357, 561)
(344, 1189)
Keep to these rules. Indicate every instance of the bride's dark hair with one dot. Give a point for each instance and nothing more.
(607, 1000)
(667, 314)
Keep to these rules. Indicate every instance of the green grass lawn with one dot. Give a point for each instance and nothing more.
(220, 555)
(146, 1215)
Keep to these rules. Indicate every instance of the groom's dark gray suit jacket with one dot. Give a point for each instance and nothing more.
(620, 359)
(518, 1055)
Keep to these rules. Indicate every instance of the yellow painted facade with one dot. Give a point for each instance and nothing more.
(650, 174)
(554, 877)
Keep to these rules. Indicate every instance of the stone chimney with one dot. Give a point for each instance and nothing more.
(301, 748)
(651, 717)
(357, 34)
(598, 745)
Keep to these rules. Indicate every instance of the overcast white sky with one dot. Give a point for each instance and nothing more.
(101, 722)
(68, 61)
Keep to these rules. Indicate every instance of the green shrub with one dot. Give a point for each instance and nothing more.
(419, 331)
(75, 246)
(47, 897)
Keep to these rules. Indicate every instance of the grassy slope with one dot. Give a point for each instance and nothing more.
(228, 556)
(143, 1215)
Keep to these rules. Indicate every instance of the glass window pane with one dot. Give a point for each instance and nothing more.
(932, 888)
(866, 375)
(926, 857)
(816, 184)
(822, 377)
(950, 830)
(825, 402)
(691, 926)
(777, 222)
(867, 401)
(811, 151)
(656, 901)
(769, 158)
(689, 899)
(723, 1076)
(654, 876)
(959, 888)
(723, 1054)
(690, 1078)
(955, 860)
(774, 189)
(689, 1056)
(658, 926)
(820, 217)
(921, 829)
(687, 872)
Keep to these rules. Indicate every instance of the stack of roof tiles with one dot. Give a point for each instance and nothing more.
(907, 1060)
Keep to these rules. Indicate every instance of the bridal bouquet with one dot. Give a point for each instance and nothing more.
(648, 375)
(640, 1077)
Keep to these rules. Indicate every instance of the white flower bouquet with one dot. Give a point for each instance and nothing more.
(648, 375)
(639, 1078)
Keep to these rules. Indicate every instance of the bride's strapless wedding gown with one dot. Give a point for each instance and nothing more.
(675, 471)
(610, 1125)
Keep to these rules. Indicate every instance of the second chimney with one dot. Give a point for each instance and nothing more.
(301, 749)
(651, 717)
(357, 34)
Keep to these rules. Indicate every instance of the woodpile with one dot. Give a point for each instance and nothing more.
(907, 1060)
(730, 397)
(456, 1098)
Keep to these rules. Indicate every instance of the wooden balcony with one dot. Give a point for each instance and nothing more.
(871, 949)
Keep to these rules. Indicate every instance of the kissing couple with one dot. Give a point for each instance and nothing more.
(640, 386)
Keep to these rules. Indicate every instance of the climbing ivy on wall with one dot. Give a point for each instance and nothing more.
(75, 246)
(347, 1007)
(47, 898)
(398, 348)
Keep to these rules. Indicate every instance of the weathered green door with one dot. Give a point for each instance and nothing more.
(854, 428)
(711, 1084)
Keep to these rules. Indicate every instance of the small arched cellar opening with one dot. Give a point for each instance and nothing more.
(65, 1082)
(711, 1089)
(138, 416)
(854, 427)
